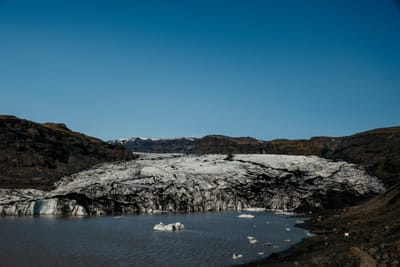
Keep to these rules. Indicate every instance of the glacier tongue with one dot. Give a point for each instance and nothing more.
(186, 183)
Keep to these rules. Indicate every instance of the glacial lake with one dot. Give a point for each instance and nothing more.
(209, 239)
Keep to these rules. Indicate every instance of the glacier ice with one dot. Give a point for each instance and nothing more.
(197, 183)
(169, 227)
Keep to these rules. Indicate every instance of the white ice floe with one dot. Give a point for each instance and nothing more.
(246, 216)
(239, 256)
(253, 241)
(169, 227)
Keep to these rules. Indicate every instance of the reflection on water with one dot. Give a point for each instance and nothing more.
(209, 239)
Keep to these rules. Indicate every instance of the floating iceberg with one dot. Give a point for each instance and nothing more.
(246, 216)
(253, 241)
(234, 256)
(169, 227)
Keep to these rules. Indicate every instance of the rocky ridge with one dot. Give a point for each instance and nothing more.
(190, 183)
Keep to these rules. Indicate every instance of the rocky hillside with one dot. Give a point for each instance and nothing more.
(149, 145)
(373, 237)
(378, 150)
(179, 183)
(35, 155)
(210, 144)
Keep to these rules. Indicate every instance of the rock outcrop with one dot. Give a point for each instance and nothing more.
(187, 183)
(36, 155)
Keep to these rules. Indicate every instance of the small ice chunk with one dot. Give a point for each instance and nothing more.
(246, 216)
(234, 256)
(253, 241)
(169, 227)
(288, 229)
(308, 233)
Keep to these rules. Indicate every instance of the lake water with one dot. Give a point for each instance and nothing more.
(209, 239)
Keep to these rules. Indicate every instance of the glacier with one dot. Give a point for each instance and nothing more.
(198, 183)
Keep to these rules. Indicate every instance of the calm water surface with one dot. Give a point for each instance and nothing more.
(209, 239)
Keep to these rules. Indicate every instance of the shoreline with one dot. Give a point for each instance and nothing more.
(364, 235)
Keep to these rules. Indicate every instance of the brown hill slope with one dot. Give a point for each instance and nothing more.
(219, 144)
(35, 155)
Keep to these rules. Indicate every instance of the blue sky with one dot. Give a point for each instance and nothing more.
(267, 69)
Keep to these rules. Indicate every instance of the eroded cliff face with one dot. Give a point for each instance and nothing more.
(178, 183)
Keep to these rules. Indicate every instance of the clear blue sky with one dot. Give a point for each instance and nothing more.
(267, 69)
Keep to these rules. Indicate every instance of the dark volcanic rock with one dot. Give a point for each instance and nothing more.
(378, 150)
(148, 145)
(36, 155)
(219, 144)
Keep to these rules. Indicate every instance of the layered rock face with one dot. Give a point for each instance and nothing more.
(178, 183)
